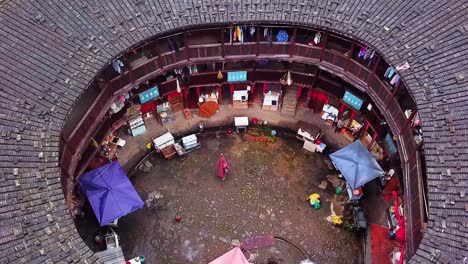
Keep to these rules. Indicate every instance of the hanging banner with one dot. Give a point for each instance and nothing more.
(149, 95)
(239, 76)
(352, 100)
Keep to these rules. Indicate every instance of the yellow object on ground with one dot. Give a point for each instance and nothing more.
(313, 198)
(336, 219)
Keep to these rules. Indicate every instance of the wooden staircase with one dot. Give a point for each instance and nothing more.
(289, 105)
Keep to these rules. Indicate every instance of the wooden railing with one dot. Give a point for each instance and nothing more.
(330, 60)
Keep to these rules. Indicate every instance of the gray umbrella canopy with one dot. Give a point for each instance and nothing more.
(356, 164)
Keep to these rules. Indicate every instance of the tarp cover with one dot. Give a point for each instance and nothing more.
(233, 256)
(356, 164)
(110, 192)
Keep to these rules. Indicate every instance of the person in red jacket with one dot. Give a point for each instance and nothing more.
(223, 167)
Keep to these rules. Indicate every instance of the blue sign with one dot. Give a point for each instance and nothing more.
(149, 95)
(352, 100)
(239, 76)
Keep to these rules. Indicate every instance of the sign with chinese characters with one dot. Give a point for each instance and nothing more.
(352, 100)
(239, 76)
(149, 95)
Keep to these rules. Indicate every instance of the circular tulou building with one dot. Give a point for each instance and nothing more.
(65, 64)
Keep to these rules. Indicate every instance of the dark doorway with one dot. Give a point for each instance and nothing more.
(226, 94)
(192, 98)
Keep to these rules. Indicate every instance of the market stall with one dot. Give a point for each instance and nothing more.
(240, 99)
(349, 113)
(165, 144)
(136, 126)
(271, 97)
(165, 113)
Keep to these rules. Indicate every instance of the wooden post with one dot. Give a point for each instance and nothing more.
(324, 45)
(186, 47)
(222, 43)
(293, 43)
(258, 41)
(348, 58)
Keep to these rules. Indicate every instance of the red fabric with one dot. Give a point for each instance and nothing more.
(222, 164)
(401, 231)
(148, 107)
(198, 91)
(366, 126)
(318, 100)
(231, 88)
(299, 91)
(380, 245)
(316, 95)
(265, 89)
(341, 108)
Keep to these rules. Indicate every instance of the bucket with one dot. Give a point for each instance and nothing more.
(142, 259)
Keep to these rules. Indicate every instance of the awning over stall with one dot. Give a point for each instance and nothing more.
(356, 164)
(110, 193)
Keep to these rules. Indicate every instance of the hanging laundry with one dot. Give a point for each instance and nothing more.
(395, 79)
(234, 36)
(362, 52)
(267, 35)
(392, 71)
(403, 67)
(241, 35)
(118, 66)
(252, 30)
(230, 36)
(317, 38)
(386, 72)
(368, 53)
(389, 72)
(282, 36)
(371, 60)
(372, 54)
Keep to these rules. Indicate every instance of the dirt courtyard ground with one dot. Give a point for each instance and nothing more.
(264, 194)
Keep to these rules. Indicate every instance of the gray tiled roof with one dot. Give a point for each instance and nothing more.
(50, 50)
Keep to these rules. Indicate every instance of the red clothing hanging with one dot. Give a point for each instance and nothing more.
(148, 107)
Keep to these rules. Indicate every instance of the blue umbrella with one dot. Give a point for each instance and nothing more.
(110, 192)
(356, 164)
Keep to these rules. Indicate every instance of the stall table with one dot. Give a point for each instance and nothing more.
(241, 123)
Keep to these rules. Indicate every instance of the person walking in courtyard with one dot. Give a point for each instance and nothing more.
(223, 167)
(339, 125)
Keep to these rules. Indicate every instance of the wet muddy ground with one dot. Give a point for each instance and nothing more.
(264, 194)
